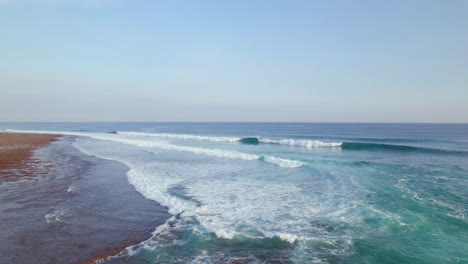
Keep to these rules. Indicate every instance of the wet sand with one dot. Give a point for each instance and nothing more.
(16, 154)
(74, 209)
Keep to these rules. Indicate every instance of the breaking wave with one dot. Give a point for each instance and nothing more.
(285, 163)
(243, 140)
(222, 153)
(180, 136)
(346, 145)
(301, 142)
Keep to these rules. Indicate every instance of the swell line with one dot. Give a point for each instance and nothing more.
(285, 163)
(243, 140)
(399, 148)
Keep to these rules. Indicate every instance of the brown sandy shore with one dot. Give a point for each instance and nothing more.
(69, 241)
(16, 154)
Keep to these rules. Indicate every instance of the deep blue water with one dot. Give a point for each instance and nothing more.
(292, 192)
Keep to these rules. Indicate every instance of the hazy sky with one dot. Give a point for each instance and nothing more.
(132, 60)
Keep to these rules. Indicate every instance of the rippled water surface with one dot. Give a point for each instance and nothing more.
(291, 192)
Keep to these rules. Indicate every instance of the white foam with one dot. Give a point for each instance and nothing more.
(161, 233)
(148, 183)
(459, 216)
(156, 188)
(196, 150)
(301, 142)
(285, 163)
(288, 237)
(221, 153)
(228, 208)
(180, 136)
(71, 189)
(229, 199)
(225, 234)
(291, 142)
(55, 216)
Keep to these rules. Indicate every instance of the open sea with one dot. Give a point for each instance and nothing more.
(286, 192)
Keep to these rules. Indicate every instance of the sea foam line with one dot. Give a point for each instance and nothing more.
(301, 142)
(285, 163)
(180, 136)
(252, 140)
(221, 153)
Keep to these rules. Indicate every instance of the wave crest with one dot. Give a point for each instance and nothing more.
(221, 153)
(244, 140)
(285, 163)
(180, 136)
(301, 142)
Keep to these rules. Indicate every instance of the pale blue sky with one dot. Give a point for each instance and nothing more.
(118, 60)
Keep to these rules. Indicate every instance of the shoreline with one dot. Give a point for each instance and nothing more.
(78, 208)
(16, 154)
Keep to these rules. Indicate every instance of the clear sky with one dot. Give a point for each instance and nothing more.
(233, 60)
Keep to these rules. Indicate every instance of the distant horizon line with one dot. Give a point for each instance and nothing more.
(265, 122)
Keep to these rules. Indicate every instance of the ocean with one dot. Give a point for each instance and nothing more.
(288, 192)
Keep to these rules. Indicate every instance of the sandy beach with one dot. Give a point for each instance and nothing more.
(16, 154)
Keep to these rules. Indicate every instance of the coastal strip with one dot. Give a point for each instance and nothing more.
(16, 151)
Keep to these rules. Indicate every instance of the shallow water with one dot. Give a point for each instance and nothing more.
(291, 192)
(79, 208)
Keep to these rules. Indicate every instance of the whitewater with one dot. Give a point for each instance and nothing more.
(289, 193)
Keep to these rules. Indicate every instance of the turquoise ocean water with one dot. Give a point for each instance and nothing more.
(291, 192)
